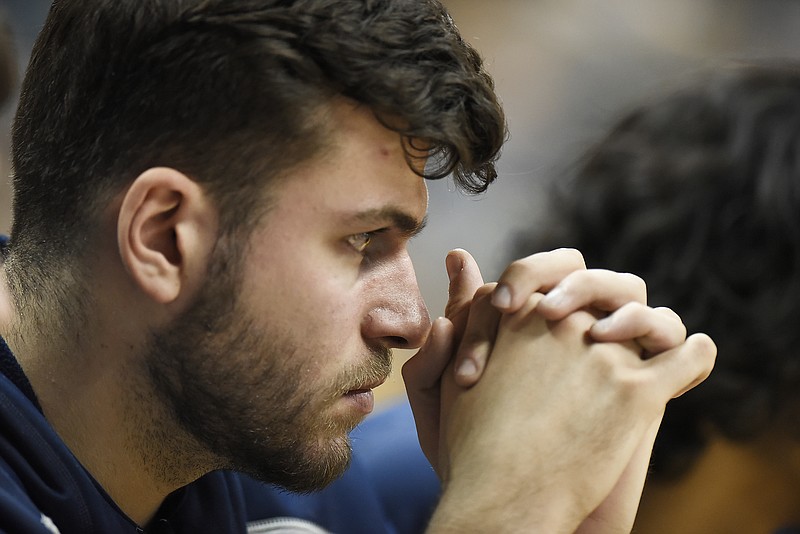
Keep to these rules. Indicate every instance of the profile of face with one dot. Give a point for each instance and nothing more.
(274, 363)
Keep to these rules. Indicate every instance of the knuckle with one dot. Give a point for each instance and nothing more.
(524, 315)
(580, 321)
(634, 309)
(570, 258)
(680, 331)
(609, 363)
(636, 282)
(519, 267)
(656, 341)
(572, 255)
(674, 320)
(484, 292)
(703, 344)
(669, 312)
(482, 300)
(620, 363)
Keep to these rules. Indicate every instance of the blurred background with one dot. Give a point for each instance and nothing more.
(564, 70)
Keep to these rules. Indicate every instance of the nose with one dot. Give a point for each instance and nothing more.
(397, 316)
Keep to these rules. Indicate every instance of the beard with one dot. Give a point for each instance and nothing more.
(247, 398)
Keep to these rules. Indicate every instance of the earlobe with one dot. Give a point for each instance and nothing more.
(164, 229)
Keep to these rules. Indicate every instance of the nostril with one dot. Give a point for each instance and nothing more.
(398, 342)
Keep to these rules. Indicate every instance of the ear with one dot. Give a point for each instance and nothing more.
(165, 230)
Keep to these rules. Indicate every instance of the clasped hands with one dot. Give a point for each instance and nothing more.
(538, 398)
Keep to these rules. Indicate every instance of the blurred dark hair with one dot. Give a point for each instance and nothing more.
(232, 93)
(699, 194)
(8, 62)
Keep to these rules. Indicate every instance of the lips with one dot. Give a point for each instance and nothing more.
(367, 387)
(363, 400)
(366, 384)
(362, 397)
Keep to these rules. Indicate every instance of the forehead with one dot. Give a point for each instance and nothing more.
(363, 175)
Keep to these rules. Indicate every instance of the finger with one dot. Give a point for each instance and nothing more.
(655, 329)
(538, 272)
(595, 288)
(478, 338)
(424, 370)
(465, 279)
(422, 376)
(680, 369)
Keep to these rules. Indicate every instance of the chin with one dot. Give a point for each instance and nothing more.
(309, 470)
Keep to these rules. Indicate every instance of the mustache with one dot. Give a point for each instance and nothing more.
(376, 369)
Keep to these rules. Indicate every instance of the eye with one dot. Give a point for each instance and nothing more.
(360, 241)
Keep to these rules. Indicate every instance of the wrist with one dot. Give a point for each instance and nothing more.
(487, 507)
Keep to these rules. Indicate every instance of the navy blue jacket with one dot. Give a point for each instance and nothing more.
(42, 485)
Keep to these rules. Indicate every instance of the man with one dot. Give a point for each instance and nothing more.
(209, 270)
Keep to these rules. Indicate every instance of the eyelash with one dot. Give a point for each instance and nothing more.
(360, 247)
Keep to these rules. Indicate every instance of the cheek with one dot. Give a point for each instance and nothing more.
(332, 317)
(319, 312)
(305, 290)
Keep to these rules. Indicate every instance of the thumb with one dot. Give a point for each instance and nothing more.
(465, 279)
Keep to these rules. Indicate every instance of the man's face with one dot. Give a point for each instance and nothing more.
(273, 365)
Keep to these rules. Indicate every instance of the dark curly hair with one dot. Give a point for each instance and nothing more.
(699, 194)
(232, 93)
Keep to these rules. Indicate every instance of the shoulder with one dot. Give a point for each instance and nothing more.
(18, 513)
(43, 488)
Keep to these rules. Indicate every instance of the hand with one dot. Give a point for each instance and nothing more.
(423, 372)
(552, 429)
(571, 287)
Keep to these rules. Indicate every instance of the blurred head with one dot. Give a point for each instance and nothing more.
(699, 194)
(8, 64)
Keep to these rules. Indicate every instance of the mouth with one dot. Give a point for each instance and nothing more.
(362, 397)
(363, 388)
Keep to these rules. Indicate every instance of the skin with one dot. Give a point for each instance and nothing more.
(322, 286)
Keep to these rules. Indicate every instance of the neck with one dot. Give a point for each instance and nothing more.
(95, 423)
(96, 394)
(744, 488)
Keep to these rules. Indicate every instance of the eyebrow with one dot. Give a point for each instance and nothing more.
(390, 216)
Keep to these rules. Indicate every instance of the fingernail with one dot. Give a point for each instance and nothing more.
(454, 266)
(501, 297)
(466, 368)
